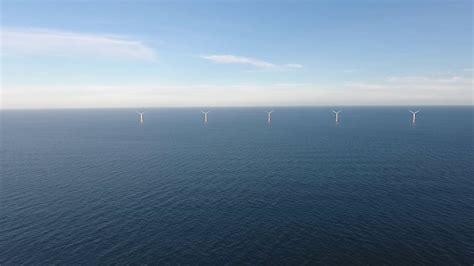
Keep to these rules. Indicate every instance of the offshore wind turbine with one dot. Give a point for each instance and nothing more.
(413, 113)
(269, 116)
(337, 114)
(141, 116)
(205, 115)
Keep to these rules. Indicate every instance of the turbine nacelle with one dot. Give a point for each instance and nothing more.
(205, 115)
(337, 114)
(141, 116)
(269, 116)
(413, 119)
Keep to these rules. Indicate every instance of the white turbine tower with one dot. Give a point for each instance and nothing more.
(269, 116)
(337, 115)
(205, 115)
(141, 116)
(413, 119)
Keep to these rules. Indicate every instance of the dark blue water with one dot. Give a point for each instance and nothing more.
(95, 186)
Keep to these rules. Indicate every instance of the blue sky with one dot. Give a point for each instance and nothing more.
(59, 54)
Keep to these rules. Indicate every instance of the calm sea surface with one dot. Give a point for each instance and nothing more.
(95, 186)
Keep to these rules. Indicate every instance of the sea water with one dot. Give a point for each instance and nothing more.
(96, 186)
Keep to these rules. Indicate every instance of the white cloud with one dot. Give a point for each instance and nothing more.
(234, 59)
(294, 65)
(45, 42)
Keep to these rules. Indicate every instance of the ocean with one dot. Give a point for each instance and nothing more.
(98, 187)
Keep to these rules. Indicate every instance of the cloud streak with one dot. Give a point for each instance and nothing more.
(45, 42)
(235, 59)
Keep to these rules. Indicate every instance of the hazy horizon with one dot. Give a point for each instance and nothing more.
(236, 107)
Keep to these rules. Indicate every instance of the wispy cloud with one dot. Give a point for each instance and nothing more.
(235, 59)
(294, 65)
(46, 42)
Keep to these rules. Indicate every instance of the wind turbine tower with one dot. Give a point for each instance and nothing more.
(337, 115)
(269, 118)
(141, 116)
(413, 119)
(205, 115)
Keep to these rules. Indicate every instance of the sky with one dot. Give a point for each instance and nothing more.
(100, 54)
